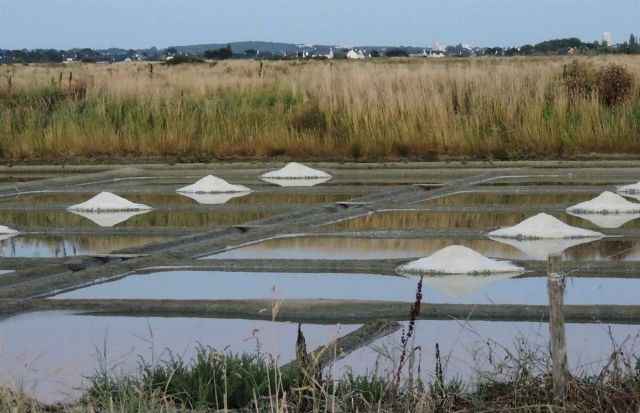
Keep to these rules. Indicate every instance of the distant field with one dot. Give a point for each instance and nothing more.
(484, 108)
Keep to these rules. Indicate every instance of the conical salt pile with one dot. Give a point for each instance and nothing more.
(457, 259)
(211, 184)
(106, 202)
(606, 203)
(543, 226)
(294, 170)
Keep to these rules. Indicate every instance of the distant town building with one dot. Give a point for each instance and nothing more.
(607, 39)
(354, 54)
(438, 48)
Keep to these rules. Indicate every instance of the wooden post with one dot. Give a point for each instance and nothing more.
(555, 286)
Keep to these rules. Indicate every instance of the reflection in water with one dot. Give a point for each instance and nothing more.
(339, 248)
(212, 198)
(55, 367)
(160, 200)
(453, 289)
(493, 198)
(607, 220)
(7, 236)
(155, 218)
(297, 182)
(468, 348)
(540, 249)
(65, 246)
(108, 219)
(443, 220)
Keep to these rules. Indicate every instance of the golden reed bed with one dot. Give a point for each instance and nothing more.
(486, 108)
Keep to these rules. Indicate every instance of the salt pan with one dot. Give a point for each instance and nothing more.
(294, 170)
(543, 226)
(106, 201)
(211, 184)
(606, 202)
(457, 259)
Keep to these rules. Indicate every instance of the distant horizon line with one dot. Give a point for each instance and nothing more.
(293, 43)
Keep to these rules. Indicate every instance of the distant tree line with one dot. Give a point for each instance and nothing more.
(553, 46)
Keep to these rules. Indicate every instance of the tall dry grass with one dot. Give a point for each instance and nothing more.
(416, 109)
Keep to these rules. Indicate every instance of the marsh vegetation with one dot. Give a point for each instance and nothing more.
(485, 108)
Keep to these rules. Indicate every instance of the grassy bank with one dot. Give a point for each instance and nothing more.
(219, 381)
(407, 109)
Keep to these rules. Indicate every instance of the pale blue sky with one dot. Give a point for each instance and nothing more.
(143, 23)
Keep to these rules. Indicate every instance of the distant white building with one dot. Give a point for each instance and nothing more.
(354, 54)
(607, 39)
(438, 47)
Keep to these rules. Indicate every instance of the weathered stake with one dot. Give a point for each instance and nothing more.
(555, 286)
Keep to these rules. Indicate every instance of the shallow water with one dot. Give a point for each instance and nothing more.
(162, 200)
(342, 248)
(153, 218)
(443, 220)
(459, 289)
(5, 271)
(468, 347)
(500, 198)
(68, 245)
(47, 354)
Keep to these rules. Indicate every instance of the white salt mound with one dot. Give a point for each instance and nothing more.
(606, 202)
(7, 230)
(211, 184)
(632, 188)
(457, 259)
(294, 170)
(543, 226)
(106, 202)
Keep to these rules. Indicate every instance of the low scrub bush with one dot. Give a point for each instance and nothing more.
(614, 84)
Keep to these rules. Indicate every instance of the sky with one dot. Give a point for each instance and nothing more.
(64, 24)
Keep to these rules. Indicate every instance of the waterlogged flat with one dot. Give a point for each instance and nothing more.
(46, 246)
(501, 198)
(344, 248)
(467, 348)
(442, 220)
(155, 218)
(49, 354)
(453, 289)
